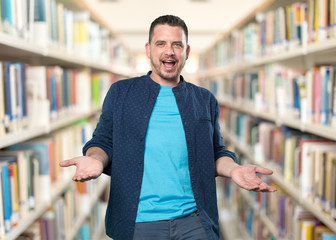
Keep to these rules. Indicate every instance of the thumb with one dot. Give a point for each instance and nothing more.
(264, 170)
(67, 163)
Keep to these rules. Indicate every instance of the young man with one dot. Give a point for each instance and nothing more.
(159, 139)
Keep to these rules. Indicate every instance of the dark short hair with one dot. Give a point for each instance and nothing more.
(170, 20)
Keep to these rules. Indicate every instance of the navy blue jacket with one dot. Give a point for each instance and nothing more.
(121, 132)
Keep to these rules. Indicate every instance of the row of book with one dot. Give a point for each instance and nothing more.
(270, 216)
(52, 25)
(59, 221)
(30, 172)
(306, 161)
(37, 95)
(275, 31)
(309, 96)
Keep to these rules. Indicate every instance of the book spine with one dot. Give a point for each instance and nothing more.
(6, 195)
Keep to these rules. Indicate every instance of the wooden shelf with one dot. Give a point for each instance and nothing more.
(297, 55)
(72, 119)
(17, 49)
(30, 133)
(22, 135)
(316, 129)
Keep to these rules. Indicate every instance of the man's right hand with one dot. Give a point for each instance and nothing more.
(87, 168)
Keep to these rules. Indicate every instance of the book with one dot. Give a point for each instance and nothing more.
(23, 171)
(328, 236)
(81, 41)
(307, 229)
(39, 23)
(319, 175)
(49, 226)
(2, 102)
(21, 94)
(311, 18)
(13, 181)
(333, 190)
(319, 230)
(333, 96)
(10, 84)
(317, 95)
(37, 102)
(42, 182)
(328, 180)
(2, 217)
(83, 91)
(60, 218)
(302, 95)
(290, 144)
(308, 165)
(307, 117)
(85, 232)
(6, 196)
(325, 107)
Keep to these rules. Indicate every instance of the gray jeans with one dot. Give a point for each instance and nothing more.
(184, 228)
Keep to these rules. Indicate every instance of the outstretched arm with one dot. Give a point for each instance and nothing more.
(88, 167)
(244, 175)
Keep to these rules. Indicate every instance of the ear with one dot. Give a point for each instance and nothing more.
(147, 46)
(188, 51)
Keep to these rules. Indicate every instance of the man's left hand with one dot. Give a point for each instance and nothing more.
(246, 177)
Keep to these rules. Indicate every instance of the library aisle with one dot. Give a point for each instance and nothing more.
(57, 63)
(274, 77)
(273, 73)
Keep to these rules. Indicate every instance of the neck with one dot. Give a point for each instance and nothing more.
(166, 82)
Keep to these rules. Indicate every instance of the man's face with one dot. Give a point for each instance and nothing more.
(168, 52)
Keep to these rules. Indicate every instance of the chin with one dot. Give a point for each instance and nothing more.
(170, 77)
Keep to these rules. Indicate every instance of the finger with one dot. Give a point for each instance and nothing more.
(264, 170)
(252, 187)
(271, 189)
(262, 187)
(267, 188)
(80, 178)
(258, 187)
(67, 163)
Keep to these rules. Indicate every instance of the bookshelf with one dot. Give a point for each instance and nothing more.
(58, 59)
(228, 217)
(26, 222)
(279, 179)
(104, 183)
(276, 67)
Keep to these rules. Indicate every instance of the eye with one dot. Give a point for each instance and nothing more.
(178, 45)
(160, 44)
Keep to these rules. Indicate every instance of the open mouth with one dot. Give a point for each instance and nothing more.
(169, 64)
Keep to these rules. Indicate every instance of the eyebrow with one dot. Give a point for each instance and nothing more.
(163, 41)
(178, 42)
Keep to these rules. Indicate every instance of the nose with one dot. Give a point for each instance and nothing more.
(170, 51)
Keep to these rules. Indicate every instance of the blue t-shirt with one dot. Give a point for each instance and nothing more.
(166, 189)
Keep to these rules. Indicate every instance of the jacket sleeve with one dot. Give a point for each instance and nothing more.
(103, 134)
(219, 147)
